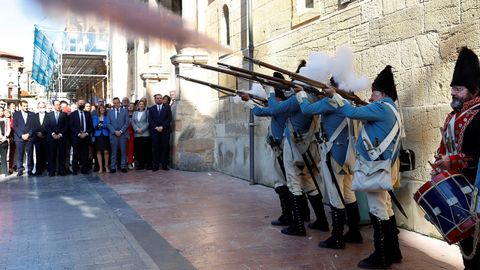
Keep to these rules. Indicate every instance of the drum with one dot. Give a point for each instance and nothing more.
(446, 201)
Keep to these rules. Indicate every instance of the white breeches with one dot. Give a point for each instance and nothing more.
(297, 180)
(344, 183)
(277, 174)
(380, 204)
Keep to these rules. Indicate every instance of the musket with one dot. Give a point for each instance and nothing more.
(225, 90)
(243, 75)
(261, 77)
(313, 83)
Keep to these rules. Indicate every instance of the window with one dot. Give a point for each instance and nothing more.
(130, 45)
(146, 46)
(308, 3)
(225, 26)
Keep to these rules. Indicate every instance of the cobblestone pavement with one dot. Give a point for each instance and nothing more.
(222, 222)
(75, 222)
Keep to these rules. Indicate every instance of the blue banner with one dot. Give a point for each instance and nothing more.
(45, 59)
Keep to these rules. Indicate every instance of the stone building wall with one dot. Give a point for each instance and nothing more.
(419, 38)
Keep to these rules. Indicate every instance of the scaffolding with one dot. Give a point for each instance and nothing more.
(82, 68)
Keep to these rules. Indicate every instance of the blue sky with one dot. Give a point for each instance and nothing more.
(17, 20)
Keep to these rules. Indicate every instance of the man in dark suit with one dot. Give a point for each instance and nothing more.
(40, 138)
(56, 128)
(81, 130)
(160, 119)
(22, 125)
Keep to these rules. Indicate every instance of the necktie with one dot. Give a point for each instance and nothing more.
(82, 122)
(116, 114)
(56, 118)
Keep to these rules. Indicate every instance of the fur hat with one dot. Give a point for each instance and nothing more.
(384, 83)
(467, 70)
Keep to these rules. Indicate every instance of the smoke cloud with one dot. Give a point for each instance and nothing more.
(318, 67)
(137, 19)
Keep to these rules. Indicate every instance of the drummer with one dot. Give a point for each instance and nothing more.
(459, 150)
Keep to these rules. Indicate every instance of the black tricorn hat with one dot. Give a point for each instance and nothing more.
(467, 70)
(279, 92)
(278, 75)
(384, 83)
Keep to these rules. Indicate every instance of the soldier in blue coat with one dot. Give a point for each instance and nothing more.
(336, 136)
(298, 139)
(378, 120)
(274, 139)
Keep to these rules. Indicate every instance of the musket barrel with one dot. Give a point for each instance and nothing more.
(314, 83)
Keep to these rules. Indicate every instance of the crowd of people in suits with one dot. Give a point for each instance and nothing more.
(62, 138)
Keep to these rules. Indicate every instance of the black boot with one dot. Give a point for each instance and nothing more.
(304, 210)
(336, 241)
(379, 258)
(285, 201)
(353, 234)
(297, 228)
(321, 222)
(395, 253)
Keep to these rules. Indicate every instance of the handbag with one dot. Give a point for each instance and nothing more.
(376, 175)
(372, 176)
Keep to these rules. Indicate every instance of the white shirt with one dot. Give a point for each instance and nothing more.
(41, 116)
(139, 115)
(24, 115)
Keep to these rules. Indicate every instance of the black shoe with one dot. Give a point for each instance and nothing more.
(165, 168)
(336, 241)
(30, 173)
(139, 167)
(353, 234)
(285, 197)
(154, 169)
(38, 173)
(51, 174)
(113, 170)
(379, 259)
(84, 172)
(298, 227)
(62, 174)
(321, 222)
(68, 171)
(20, 173)
(74, 173)
(124, 170)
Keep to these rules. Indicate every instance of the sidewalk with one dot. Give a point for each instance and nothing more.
(221, 222)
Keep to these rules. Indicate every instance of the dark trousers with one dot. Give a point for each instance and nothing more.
(80, 154)
(3, 158)
(24, 146)
(56, 153)
(160, 149)
(143, 151)
(40, 154)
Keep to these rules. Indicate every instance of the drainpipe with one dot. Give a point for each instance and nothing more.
(251, 123)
